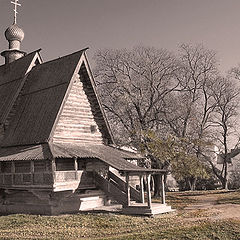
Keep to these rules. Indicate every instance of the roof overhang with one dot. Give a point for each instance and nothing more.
(111, 156)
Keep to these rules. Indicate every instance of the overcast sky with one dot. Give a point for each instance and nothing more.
(61, 27)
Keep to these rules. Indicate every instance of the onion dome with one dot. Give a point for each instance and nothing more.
(14, 32)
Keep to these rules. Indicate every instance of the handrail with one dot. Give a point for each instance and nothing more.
(135, 194)
(110, 189)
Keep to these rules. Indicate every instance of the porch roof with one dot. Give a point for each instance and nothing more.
(112, 156)
(29, 152)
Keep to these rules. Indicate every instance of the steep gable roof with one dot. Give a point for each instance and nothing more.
(42, 99)
(12, 78)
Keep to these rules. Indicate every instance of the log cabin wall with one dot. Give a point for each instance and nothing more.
(77, 123)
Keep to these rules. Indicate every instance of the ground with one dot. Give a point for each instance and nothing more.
(219, 205)
(199, 215)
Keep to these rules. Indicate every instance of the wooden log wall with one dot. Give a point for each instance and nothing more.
(77, 123)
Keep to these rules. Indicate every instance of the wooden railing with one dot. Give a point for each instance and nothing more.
(115, 187)
(135, 195)
(111, 189)
(41, 178)
(65, 176)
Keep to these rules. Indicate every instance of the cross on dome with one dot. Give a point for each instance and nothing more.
(16, 4)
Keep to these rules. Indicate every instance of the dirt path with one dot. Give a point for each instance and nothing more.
(214, 210)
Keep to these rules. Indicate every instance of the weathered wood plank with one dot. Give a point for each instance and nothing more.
(78, 118)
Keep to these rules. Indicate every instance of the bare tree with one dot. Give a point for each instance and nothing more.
(226, 95)
(149, 89)
(133, 86)
(189, 110)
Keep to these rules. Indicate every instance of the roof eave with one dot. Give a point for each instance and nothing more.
(91, 77)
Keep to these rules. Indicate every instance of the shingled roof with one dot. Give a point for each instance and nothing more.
(108, 154)
(12, 78)
(112, 156)
(41, 101)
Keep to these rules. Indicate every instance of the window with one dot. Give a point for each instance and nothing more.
(93, 128)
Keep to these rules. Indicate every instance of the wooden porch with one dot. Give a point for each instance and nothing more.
(133, 201)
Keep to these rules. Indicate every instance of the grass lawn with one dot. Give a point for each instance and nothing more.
(183, 224)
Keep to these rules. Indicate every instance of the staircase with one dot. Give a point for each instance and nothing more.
(115, 188)
(111, 189)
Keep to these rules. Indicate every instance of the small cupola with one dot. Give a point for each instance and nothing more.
(14, 35)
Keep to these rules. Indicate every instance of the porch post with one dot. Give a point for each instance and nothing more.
(128, 190)
(32, 170)
(163, 189)
(12, 170)
(76, 168)
(149, 190)
(54, 169)
(141, 188)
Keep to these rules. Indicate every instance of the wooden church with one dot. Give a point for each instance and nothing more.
(57, 153)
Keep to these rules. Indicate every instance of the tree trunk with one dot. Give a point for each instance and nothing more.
(157, 185)
(165, 182)
(225, 184)
(225, 178)
(151, 183)
(192, 183)
(221, 175)
(144, 184)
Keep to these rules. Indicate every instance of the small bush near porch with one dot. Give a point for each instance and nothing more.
(200, 215)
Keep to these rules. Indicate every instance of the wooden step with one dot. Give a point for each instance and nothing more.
(88, 203)
(88, 200)
(143, 209)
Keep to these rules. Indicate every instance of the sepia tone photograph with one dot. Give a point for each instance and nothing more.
(119, 119)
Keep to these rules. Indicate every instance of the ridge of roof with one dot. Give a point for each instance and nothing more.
(65, 56)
